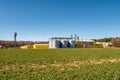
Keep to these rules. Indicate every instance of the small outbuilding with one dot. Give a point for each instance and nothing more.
(40, 46)
(1, 47)
(105, 44)
(87, 43)
(26, 47)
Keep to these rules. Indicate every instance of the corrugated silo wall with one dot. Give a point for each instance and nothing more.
(50, 43)
(72, 44)
(57, 44)
(63, 43)
(66, 43)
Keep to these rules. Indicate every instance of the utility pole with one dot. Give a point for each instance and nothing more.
(15, 35)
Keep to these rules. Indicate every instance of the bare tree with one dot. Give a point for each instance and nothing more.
(116, 42)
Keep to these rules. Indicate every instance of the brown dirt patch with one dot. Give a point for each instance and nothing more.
(61, 66)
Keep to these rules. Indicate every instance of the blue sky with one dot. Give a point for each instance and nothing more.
(39, 20)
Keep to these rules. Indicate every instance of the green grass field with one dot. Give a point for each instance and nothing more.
(60, 64)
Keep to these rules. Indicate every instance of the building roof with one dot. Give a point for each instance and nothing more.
(62, 38)
(40, 44)
(86, 40)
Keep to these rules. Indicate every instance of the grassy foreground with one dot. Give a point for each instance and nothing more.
(60, 64)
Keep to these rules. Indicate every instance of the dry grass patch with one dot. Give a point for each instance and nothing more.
(61, 66)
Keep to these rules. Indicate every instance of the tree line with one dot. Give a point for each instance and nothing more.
(115, 42)
(103, 40)
(7, 44)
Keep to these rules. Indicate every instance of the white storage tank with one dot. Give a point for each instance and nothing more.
(65, 43)
(54, 43)
(72, 43)
(57, 44)
(50, 43)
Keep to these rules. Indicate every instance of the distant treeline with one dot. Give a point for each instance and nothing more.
(103, 40)
(6, 44)
(115, 41)
(19, 43)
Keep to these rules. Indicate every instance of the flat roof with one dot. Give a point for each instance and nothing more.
(62, 38)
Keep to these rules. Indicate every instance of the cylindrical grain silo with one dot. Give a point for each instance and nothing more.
(65, 43)
(56, 44)
(50, 43)
(72, 43)
(62, 43)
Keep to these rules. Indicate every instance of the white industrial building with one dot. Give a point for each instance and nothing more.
(105, 44)
(62, 42)
(86, 43)
(70, 42)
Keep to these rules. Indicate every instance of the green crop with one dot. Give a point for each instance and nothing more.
(60, 64)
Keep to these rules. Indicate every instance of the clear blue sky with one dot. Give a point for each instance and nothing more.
(39, 20)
